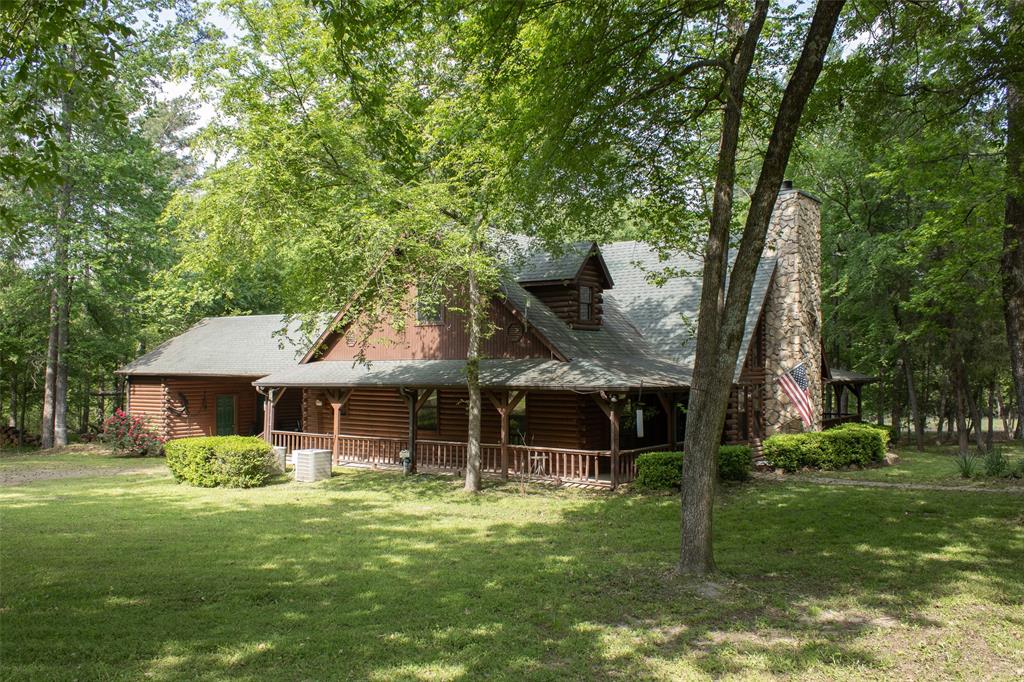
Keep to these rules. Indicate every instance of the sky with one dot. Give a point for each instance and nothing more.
(171, 88)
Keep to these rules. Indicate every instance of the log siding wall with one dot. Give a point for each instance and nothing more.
(563, 298)
(156, 399)
(552, 419)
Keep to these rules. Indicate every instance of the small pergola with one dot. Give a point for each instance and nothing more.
(843, 383)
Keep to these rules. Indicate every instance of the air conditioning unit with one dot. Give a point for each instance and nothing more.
(311, 465)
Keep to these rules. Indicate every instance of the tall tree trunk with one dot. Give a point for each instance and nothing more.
(12, 418)
(941, 414)
(880, 403)
(991, 415)
(101, 400)
(60, 398)
(50, 383)
(83, 421)
(897, 420)
(974, 407)
(915, 414)
(1011, 266)
(723, 312)
(961, 405)
(23, 407)
(1004, 415)
(709, 392)
(473, 376)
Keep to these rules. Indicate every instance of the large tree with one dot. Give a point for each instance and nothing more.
(613, 108)
(83, 180)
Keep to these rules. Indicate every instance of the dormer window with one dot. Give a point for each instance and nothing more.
(429, 312)
(571, 284)
(586, 304)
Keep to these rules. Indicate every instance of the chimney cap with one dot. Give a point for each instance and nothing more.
(787, 185)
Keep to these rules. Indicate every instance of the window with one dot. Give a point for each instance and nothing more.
(517, 424)
(427, 417)
(429, 312)
(586, 304)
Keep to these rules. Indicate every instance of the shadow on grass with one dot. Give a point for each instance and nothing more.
(372, 575)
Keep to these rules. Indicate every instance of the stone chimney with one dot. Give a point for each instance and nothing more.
(793, 307)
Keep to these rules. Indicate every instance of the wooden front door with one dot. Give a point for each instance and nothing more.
(225, 415)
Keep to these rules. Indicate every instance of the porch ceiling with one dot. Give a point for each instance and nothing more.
(585, 375)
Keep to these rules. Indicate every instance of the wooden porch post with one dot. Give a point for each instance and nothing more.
(337, 399)
(503, 412)
(505, 403)
(268, 416)
(411, 399)
(669, 406)
(335, 429)
(613, 416)
(612, 407)
(270, 398)
(856, 392)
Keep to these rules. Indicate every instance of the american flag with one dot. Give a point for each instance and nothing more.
(795, 383)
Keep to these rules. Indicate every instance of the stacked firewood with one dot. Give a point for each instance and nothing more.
(10, 435)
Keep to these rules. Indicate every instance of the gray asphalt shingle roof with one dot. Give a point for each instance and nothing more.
(584, 374)
(532, 263)
(646, 339)
(667, 315)
(848, 376)
(245, 346)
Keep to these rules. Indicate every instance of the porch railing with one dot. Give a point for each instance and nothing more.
(829, 419)
(588, 467)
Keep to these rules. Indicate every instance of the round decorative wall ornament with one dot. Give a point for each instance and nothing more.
(515, 331)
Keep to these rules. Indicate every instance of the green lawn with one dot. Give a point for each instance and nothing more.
(936, 464)
(372, 576)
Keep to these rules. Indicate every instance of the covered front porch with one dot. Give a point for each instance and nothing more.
(600, 468)
(538, 420)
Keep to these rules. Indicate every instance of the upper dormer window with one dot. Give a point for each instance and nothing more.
(586, 304)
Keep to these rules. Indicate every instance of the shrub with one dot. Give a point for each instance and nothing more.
(659, 470)
(996, 463)
(664, 470)
(129, 435)
(734, 462)
(231, 461)
(791, 451)
(966, 464)
(842, 446)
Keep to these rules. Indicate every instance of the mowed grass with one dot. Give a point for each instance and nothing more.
(374, 576)
(78, 456)
(935, 464)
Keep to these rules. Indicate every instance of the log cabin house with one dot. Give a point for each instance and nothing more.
(589, 366)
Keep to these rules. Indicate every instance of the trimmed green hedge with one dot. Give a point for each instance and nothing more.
(842, 446)
(231, 461)
(734, 462)
(664, 470)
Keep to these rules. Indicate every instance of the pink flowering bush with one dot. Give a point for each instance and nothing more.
(130, 436)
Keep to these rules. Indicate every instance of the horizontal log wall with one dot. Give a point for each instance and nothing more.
(146, 400)
(552, 419)
(454, 418)
(288, 411)
(159, 401)
(563, 298)
(368, 412)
